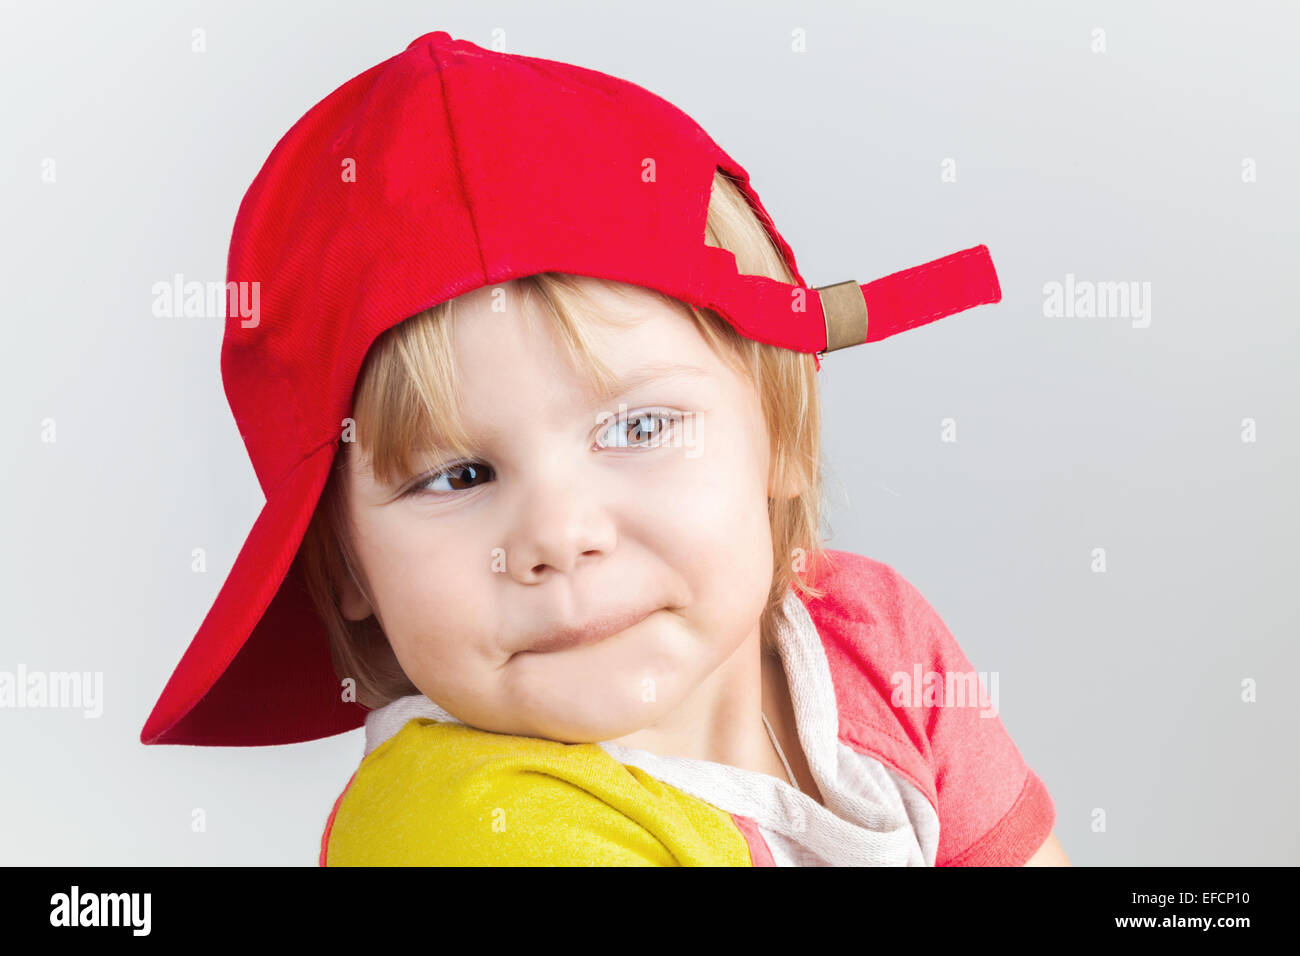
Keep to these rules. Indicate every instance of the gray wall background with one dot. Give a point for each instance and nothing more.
(1122, 689)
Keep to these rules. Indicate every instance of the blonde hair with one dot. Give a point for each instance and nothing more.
(406, 395)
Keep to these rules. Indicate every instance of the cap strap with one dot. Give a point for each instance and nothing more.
(907, 299)
(845, 312)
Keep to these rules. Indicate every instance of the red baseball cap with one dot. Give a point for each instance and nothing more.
(443, 169)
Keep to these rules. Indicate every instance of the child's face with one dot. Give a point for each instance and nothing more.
(557, 525)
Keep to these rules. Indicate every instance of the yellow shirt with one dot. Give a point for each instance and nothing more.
(441, 794)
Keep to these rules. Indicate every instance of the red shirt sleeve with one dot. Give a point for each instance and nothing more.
(993, 809)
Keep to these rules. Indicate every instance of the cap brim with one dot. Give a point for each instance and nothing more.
(258, 672)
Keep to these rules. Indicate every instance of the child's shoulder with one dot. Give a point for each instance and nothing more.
(907, 693)
(868, 610)
(888, 651)
(445, 794)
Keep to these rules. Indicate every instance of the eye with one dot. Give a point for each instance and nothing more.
(645, 428)
(457, 477)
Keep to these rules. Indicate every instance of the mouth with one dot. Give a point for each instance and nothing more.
(589, 632)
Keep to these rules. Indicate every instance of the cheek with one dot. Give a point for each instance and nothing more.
(724, 484)
(424, 586)
(713, 520)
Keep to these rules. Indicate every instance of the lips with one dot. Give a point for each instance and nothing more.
(592, 631)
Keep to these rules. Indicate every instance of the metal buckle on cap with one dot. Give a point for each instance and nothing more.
(845, 312)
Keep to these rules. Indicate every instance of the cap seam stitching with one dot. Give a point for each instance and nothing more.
(455, 149)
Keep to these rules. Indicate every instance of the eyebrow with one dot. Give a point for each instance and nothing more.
(646, 374)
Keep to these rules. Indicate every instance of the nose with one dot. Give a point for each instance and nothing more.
(556, 525)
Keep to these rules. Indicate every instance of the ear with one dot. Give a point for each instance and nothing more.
(353, 605)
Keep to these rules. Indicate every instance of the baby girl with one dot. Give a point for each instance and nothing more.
(533, 398)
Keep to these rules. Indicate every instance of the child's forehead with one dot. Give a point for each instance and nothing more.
(602, 328)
